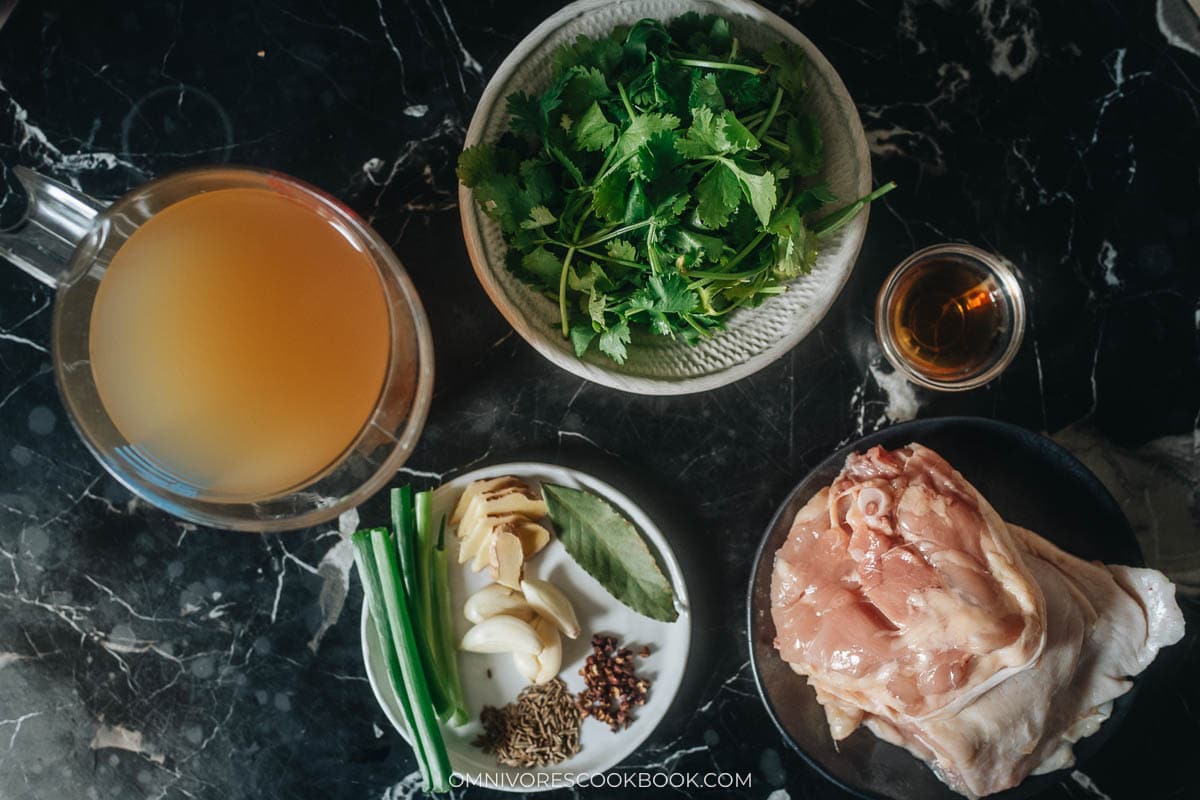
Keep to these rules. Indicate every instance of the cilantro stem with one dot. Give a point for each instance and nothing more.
(741, 301)
(725, 276)
(778, 145)
(751, 119)
(733, 50)
(607, 167)
(829, 224)
(606, 234)
(611, 168)
(745, 251)
(579, 226)
(706, 64)
(571, 170)
(603, 172)
(583, 251)
(707, 334)
(572, 205)
(771, 112)
(562, 291)
(625, 101)
(613, 260)
(650, 247)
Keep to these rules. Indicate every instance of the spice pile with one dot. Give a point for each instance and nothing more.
(613, 688)
(540, 728)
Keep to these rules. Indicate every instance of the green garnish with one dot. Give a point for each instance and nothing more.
(610, 549)
(443, 628)
(379, 569)
(663, 180)
(404, 582)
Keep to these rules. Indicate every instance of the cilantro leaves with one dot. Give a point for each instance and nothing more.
(665, 178)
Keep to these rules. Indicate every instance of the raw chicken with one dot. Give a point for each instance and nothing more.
(903, 589)
(986, 651)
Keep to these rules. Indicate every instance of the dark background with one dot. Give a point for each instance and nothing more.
(1063, 136)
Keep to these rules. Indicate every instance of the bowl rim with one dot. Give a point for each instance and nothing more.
(855, 231)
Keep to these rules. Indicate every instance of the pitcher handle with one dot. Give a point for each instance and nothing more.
(56, 220)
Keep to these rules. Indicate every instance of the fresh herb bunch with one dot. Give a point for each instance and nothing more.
(663, 180)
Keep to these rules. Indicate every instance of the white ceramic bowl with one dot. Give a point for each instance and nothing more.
(755, 337)
(493, 680)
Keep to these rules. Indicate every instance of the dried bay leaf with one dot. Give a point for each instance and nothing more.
(610, 549)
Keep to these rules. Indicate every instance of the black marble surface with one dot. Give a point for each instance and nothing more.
(142, 658)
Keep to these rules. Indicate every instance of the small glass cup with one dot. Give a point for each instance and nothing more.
(67, 239)
(998, 285)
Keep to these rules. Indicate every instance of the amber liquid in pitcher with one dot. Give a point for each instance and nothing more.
(948, 318)
(239, 342)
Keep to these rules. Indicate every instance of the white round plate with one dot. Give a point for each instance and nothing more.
(598, 612)
(755, 337)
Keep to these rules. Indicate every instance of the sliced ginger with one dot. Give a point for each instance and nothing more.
(498, 528)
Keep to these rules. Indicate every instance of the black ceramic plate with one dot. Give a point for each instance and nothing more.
(1032, 482)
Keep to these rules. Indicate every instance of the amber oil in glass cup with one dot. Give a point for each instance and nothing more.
(951, 316)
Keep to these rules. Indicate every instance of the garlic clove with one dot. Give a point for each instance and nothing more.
(495, 599)
(501, 634)
(549, 601)
(544, 665)
(527, 666)
(549, 660)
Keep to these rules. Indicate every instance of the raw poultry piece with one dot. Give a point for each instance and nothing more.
(1104, 624)
(967, 579)
(903, 590)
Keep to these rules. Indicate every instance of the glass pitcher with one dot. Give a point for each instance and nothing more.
(67, 240)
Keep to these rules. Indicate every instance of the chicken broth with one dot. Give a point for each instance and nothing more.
(239, 341)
